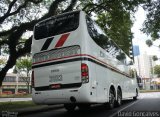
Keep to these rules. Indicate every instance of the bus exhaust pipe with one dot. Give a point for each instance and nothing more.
(72, 99)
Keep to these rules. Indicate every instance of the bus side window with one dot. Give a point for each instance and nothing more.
(97, 34)
(101, 39)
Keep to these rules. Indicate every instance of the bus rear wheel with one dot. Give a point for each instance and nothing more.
(70, 107)
(135, 97)
(111, 103)
(119, 98)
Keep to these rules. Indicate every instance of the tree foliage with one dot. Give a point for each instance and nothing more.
(23, 68)
(19, 16)
(157, 70)
(152, 23)
(155, 58)
(24, 65)
(114, 16)
(2, 61)
(149, 43)
(121, 35)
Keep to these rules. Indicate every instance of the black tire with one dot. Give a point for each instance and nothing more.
(119, 98)
(70, 107)
(111, 103)
(135, 97)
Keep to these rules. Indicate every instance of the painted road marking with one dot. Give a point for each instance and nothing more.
(123, 109)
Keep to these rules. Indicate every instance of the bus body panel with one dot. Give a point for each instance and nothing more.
(81, 94)
(58, 74)
(107, 77)
(104, 78)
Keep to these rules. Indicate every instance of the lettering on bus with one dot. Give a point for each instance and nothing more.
(57, 25)
(112, 49)
(54, 70)
(51, 22)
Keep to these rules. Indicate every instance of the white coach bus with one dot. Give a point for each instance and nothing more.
(76, 64)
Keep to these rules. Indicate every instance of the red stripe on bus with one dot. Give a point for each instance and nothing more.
(69, 57)
(105, 63)
(62, 40)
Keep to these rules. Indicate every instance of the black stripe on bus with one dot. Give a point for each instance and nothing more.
(62, 86)
(80, 59)
(47, 43)
(103, 65)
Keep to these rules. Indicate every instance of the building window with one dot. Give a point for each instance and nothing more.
(10, 79)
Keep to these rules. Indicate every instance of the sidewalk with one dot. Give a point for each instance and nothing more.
(30, 110)
(14, 99)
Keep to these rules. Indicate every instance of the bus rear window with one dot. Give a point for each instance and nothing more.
(57, 25)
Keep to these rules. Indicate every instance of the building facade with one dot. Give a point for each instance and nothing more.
(13, 84)
(144, 67)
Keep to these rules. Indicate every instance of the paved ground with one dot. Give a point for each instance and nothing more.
(14, 99)
(149, 95)
(139, 108)
(142, 95)
(148, 105)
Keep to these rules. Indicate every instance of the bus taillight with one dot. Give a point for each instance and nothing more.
(32, 80)
(84, 73)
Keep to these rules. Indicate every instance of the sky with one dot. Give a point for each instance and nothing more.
(140, 37)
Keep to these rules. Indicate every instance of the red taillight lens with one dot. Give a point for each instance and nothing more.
(84, 73)
(32, 81)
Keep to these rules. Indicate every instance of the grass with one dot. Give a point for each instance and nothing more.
(145, 91)
(10, 106)
(15, 96)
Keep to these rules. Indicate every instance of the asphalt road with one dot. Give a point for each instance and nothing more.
(148, 105)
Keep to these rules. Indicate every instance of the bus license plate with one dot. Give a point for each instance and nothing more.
(55, 78)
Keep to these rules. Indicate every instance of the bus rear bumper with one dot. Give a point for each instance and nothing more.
(76, 95)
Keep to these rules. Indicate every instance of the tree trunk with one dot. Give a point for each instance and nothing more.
(11, 62)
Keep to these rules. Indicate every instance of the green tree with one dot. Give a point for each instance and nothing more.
(157, 70)
(149, 42)
(24, 65)
(114, 16)
(19, 16)
(2, 63)
(121, 35)
(23, 68)
(152, 23)
(155, 58)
